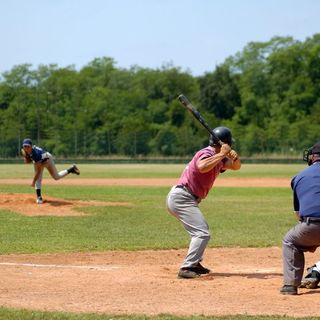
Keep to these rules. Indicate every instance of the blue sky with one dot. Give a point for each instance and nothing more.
(195, 35)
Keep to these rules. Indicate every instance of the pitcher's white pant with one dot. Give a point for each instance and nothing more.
(184, 207)
(50, 166)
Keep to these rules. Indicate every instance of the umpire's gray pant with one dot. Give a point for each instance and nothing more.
(301, 238)
(184, 207)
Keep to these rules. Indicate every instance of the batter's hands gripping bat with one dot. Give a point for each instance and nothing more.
(188, 105)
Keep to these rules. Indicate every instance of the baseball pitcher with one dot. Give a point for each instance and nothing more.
(42, 159)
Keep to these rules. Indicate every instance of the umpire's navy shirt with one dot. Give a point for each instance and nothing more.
(306, 191)
(38, 154)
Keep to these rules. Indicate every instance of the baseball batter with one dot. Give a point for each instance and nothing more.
(305, 236)
(42, 159)
(193, 186)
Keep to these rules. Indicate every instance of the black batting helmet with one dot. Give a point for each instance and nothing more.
(223, 133)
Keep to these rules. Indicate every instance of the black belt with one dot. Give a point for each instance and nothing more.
(185, 188)
(310, 220)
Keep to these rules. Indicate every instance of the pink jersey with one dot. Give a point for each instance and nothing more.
(200, 183)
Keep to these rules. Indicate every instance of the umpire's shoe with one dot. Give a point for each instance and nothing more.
(311, 280)
(74, 169)
(292, 290)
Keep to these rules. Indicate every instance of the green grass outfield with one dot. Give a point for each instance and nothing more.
(246, 217)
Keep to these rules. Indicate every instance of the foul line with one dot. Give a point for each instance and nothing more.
(32, 265)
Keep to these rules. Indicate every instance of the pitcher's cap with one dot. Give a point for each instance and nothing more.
(27, 142)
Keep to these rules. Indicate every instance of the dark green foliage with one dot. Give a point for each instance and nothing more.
(219, 92)
(268, 94)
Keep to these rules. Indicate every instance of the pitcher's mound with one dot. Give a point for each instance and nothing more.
(26, 204)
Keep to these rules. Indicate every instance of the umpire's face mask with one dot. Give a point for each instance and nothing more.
(308, 156)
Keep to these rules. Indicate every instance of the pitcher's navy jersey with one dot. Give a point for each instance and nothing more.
(38, 154)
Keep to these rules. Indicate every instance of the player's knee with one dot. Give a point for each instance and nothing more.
(205, 236)
(288, 240)
(289, 245)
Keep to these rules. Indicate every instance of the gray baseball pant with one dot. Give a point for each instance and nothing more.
(301, 238)
(184, 207)
(51, 167)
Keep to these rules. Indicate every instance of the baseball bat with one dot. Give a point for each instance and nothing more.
(188, 105)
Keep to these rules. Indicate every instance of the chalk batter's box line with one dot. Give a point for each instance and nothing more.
(33, 265)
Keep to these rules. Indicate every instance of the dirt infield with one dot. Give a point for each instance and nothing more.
(221, 182)
(243, 281)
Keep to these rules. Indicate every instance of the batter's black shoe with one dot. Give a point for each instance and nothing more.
(187, 273)
(291, 290)
(199, 269)
(74, 169)
(311, 280)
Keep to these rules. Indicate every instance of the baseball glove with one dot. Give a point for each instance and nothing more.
(26, 157)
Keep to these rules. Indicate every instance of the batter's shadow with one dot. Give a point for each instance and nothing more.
(260, 275)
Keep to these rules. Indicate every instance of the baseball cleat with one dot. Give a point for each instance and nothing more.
(311, 280)
(74, 169)
(309, 283)
(199, 269)
(39, 200)
(187, 273)
(290, 290)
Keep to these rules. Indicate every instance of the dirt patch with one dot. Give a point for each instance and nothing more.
(220, 182)
(243, 281)
(26, 204)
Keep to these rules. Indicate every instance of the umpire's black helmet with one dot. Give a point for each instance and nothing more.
(315, 149)
(224, 134)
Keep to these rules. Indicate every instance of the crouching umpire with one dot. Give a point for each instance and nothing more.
(305, 236)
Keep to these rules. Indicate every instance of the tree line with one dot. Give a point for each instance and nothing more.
(268, 95)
